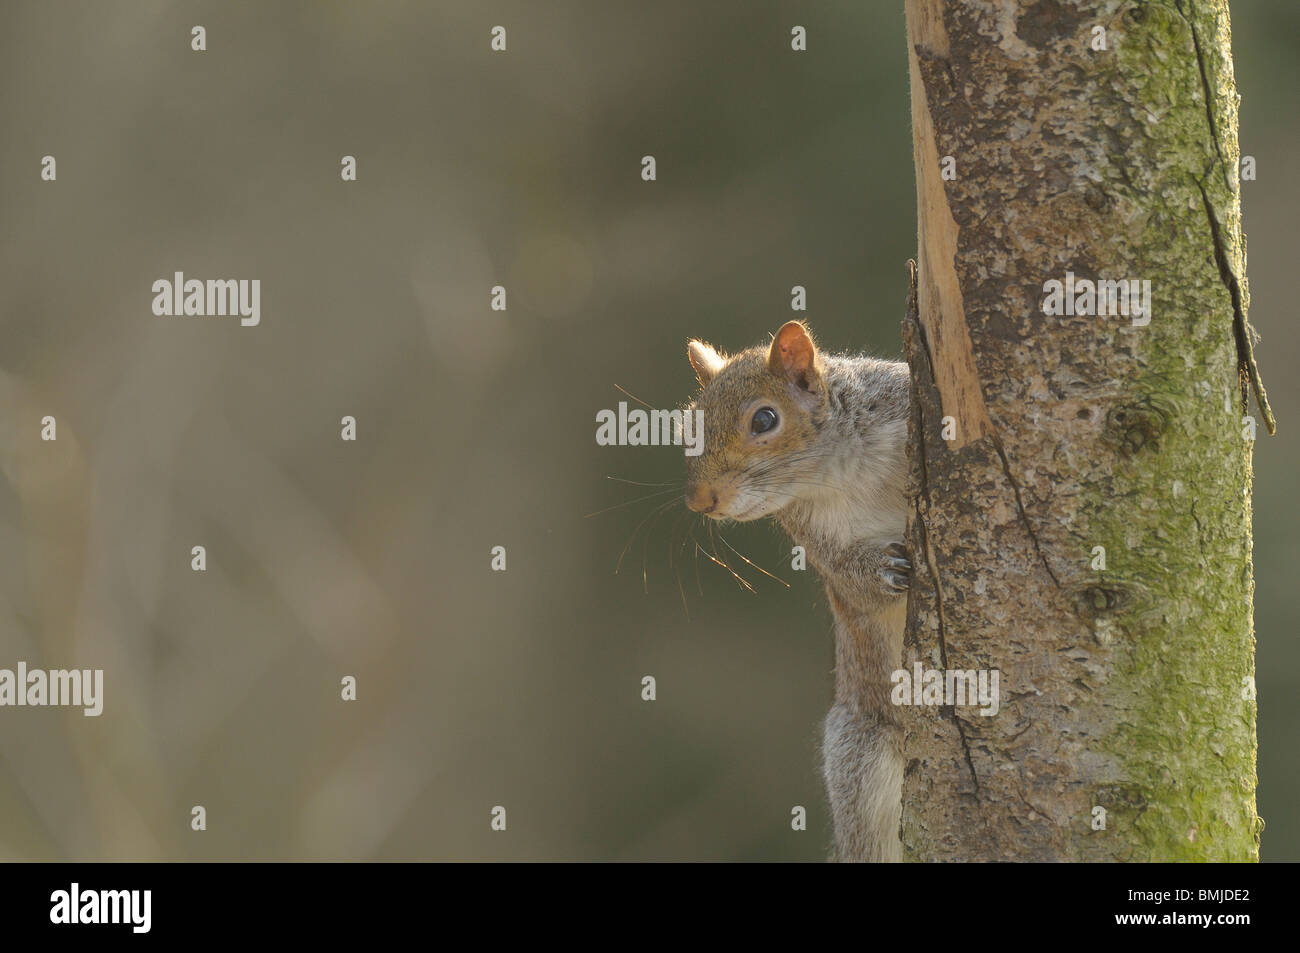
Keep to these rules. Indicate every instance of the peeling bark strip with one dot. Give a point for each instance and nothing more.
(944, 315)
(1126, 727)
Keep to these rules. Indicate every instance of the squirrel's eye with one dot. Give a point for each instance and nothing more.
(764, 419)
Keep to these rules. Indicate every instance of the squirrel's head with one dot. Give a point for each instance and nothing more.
(762, 409)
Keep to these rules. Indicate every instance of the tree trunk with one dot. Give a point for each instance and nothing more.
(1126, 726)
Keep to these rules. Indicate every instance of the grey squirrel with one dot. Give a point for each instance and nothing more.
(817, 441)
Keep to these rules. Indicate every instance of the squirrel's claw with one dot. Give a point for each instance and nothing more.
(897, 570)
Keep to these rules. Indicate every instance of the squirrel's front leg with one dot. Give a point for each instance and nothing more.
(876, 573)
(895, 569)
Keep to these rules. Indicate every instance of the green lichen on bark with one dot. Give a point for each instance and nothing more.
(1127, 688)
(1180, 504)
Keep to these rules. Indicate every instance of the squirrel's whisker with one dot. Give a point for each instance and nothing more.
(639, 499)
(712, 558)
(633, 396)
(645, 546)
(725, 564)
(640, 483)
(673, 561)
(673, 549)
(698, 583)
(632, 538)
(751, 562)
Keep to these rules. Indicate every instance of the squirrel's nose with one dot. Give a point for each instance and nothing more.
(702, 500)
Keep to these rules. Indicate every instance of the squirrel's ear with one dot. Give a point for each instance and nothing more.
(793, 356)
(705, 360)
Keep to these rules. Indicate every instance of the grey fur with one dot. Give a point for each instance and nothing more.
(833, 477)
(862, 758)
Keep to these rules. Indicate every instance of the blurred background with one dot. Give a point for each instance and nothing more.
(475, 428)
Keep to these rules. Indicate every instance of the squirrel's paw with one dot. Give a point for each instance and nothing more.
(896, 572)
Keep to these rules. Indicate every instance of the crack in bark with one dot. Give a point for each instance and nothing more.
(1030, 804)
(919, 329)
(1247, 370)
(1205, 87)
(938, 596)
(1020, 507)
(1200, 530)
(1248, 375)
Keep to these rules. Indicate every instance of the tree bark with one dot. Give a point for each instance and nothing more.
(1126, 692)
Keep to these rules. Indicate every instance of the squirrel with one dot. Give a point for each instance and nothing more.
(817, 441)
